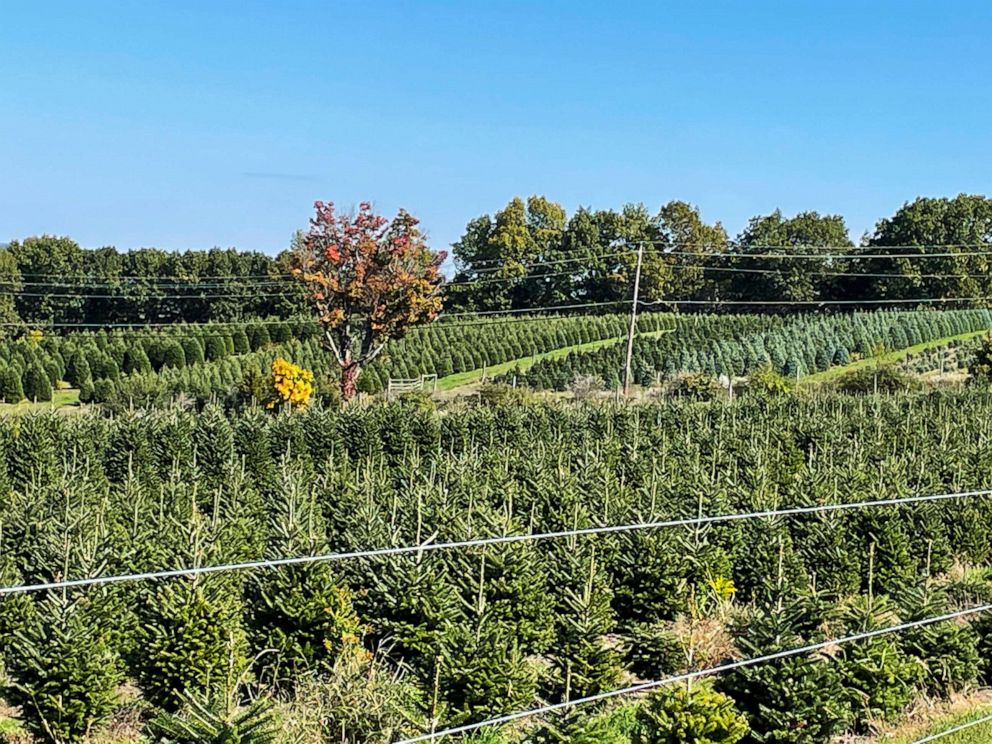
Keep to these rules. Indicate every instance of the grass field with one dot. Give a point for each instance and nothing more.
(892, 356)
(60, 399)
(475, 375)
(978, 733)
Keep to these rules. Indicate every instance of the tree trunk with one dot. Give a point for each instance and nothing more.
(349, 380)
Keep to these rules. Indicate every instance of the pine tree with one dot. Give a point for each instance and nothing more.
(37, 386)
(882, 680)
(192, 350)
(192, 642)
(796, 699)
(301, 613)
(11, 390)
(240, 341)
(66, 674)
(136, 360)
(688, 715)
(483, 672)
(172, 354)
(214, 347)
(78, 369)
(948, 651)
(584, 663)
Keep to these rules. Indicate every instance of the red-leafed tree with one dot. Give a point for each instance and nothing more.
(370, 280)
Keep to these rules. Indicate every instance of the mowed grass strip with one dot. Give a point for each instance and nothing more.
(979, 733)
(833, 373)
(524, 363)
(60, 399)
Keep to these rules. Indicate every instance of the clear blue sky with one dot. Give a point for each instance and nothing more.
(192, 124)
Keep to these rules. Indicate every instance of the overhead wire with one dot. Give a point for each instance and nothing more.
(955, 729)
(689, 676)
(425, 547)
(801, 303)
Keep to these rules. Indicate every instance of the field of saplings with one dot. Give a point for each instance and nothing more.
(227, 362)
(389, 647)
(149, 366)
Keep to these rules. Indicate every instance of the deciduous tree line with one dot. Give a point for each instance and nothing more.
(532, 253)
(52, 279)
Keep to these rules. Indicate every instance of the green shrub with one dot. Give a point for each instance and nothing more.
(766, 381)
(497, 394)
(884, 378)
(362, 700)
(680, 715)
(695, 386)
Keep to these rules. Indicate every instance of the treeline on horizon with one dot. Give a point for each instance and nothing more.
(532, 254)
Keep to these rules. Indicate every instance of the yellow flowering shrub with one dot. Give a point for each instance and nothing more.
(291, 385)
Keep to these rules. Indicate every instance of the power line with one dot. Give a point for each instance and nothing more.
(152, 285)
(553, 262)
(141, 326)
(955, 729)
(482, 542)
(686, 677)
(893, 301)
(154, 277)
(290, 282)
(821, 257)
(573, 306)
(133, 298)
(853, 274)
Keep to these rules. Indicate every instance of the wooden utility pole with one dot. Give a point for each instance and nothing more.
(633, 321)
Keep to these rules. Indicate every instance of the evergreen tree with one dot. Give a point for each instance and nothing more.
(136, 360)
(192, 350)
(172, 354)
(688, 715)
(66, 673)
(11, 390)
(240, 341)
(796, 699)
(192, 642)
(584, 663)
(78, 369)
(214, 347)
(36, 384)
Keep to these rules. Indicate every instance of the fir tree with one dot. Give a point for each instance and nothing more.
(37, 386)
(66, 673)
(11, 390)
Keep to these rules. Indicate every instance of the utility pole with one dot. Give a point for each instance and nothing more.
(633, 321)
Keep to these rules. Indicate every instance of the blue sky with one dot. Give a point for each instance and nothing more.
(192, 124)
